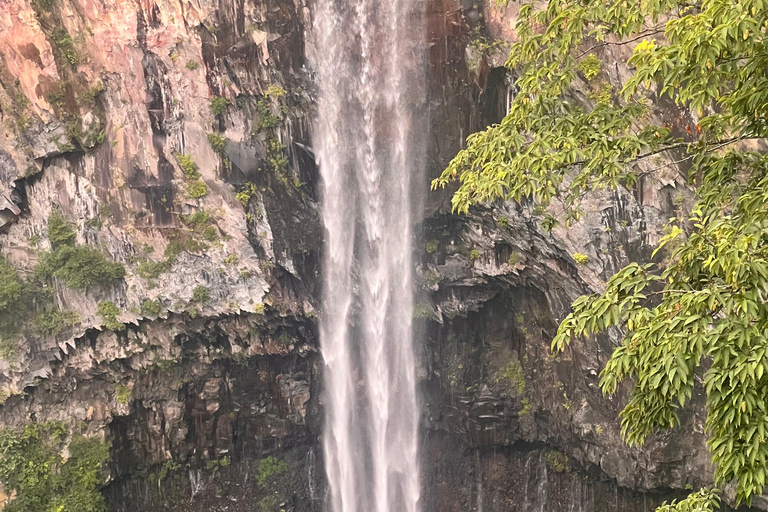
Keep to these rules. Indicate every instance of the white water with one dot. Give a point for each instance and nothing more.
(369, 67)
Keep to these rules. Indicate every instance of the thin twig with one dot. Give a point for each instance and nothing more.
(648, 32)
(689, 157)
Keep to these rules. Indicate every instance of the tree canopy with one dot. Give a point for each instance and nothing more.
(39, 479)
(703, 310)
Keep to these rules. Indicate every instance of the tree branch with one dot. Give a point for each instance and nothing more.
(645, 33)
(717, 146)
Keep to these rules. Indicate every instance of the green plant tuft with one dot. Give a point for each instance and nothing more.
(581, 259)
(188, 166)
(245, 195)
(557, 461)
(80, 267)
(590, 66)
(109, 311)
(219, 105)
(196, 189)
(123, 393)
(10, 284)
(52, 322)
(269, 471)
(65, 45)
(218, 142)
(44, 5)
(512, 375)
(168, 467)
(153, 269)
(200, 294)
(60, 231)
(150, 307)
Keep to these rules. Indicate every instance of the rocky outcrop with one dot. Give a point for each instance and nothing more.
(494, 287)
(177, 95)
(176, 138)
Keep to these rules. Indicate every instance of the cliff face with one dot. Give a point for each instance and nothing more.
(175, 137)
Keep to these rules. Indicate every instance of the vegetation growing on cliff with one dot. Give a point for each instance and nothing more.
(53, 321)
(200, 294)
(34, 472)
(272, 476)
(26, 304)
(272, 109)
(109, 311)
(219, 105)
(195, 187)
(73, 97)
(217, 141)
(78, 266)
(707, 300)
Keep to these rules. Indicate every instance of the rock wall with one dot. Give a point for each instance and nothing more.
(176, 138)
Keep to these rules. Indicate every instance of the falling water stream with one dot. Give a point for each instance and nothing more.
(369, 69)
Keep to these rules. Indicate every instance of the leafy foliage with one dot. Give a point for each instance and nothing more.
(65, 45)
(31, 465)
(201, 229)
(200, 294)
(270, 109)
(60, 231)
(276, 155)
(201, 225)
(169, 467)
(188, 165)
(52, 322)
(77, 265)
(590, 66)
(273, 478)
(269, 471)
(109, 311)
(150, 307)
(219, 105)
(23, 301)
(707, 300)
(45, 5)
(705, 500)
(123, 393)
(217, 141)
(153, 269)
(581, 259)
(80, 267)
(196, 189)
(10, 284)
(557, 461)
(245, 195)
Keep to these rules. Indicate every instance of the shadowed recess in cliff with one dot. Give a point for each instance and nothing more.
(370, 71)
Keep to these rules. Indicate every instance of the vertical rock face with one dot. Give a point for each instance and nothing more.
(174, 137)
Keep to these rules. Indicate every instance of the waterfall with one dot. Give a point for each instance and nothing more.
(369, 61)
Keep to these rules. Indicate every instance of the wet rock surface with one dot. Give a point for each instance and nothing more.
(195, 393)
